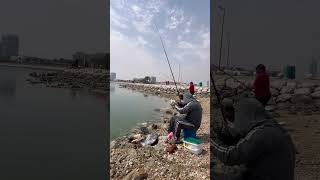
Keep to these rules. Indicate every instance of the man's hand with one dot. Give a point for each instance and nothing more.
(173, 102)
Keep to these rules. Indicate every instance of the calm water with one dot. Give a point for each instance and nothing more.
(49, 133)
(129, 108)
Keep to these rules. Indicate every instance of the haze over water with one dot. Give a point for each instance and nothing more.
(48, 133)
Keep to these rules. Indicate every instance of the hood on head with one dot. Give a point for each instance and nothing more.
(249, 113)
(188, 97)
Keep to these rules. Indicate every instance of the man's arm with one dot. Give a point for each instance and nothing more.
(185, 109)
(247, 149)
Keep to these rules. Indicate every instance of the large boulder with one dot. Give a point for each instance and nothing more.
(308, 85)
(316, 95)
(278, 84)
(287, 90)
(317, 89)
(230, 83)
(272, 101)
(301, 99)
(274, 92)
(292, 84)
(302, 91)
(283, 98)
(283, 105)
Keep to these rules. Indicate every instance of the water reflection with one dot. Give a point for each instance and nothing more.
(112, 87)
(7, 87)
(74, 94)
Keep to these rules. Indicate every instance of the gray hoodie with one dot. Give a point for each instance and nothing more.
(265, 147)
(192, 109)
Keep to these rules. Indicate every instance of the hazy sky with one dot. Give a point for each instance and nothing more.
(272, 32)
(56, 28)
(135, 46)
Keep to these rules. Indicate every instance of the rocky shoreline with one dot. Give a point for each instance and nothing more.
(168, 91)
(93, 80)
(130, 160)
(290, 95)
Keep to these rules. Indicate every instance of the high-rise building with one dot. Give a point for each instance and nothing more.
(313, 69)
(153, 80)
(113, 76)
(9, 45)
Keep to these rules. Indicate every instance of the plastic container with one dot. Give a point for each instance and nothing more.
(290, 72)
(193, 145)
(189, 134)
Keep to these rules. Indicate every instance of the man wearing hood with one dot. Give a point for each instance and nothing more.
(191, 119)
(265, 148)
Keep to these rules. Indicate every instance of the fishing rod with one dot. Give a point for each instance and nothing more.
(165, 52)
(219, 100)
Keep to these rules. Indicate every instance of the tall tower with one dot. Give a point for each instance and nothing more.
(10, 45)
(313, 69)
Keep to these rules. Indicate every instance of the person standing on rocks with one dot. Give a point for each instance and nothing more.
(191, 88)
(191, 119)
(264, 147)
(262, 85)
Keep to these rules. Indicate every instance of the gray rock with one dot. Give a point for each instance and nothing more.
(132, 153)
(274, 92)
(283, 98)
(316, 95)
(272, 101)
(292, 84)
(283, 105)
(169, 111)
(317, 89)
(278, 84)
(301, 98)
(136, 174)
(302, 91)
(308, 85)
(230, 83)
(287, 90)
(112, 144)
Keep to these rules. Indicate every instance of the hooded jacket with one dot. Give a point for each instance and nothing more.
(192, 110)
(265, 147)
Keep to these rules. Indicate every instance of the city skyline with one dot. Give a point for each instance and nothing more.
(54, 29)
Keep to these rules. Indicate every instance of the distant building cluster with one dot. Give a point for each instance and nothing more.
(9, 45)
(92, 60)
(146, 80)
(113, 76)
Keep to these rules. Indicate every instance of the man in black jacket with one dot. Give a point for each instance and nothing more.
(265, 148)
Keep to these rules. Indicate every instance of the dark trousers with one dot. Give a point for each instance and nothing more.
(264, 100)
(177, 124)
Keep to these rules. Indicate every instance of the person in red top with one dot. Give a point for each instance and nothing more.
(191, 88)
(262, 85)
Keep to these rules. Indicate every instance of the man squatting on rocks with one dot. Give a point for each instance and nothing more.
(191, 119)
(261, 144)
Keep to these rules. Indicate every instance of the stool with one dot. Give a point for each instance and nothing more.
(189, 134)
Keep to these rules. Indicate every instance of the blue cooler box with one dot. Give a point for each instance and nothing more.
(189, 133)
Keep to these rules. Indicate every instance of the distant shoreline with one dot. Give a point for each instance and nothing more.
(32, 66)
